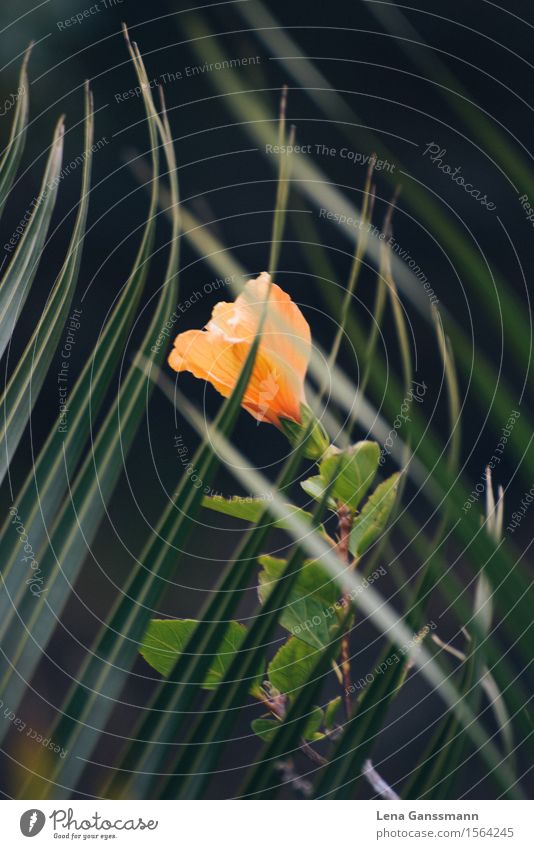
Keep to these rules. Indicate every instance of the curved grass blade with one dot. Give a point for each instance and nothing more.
(436, 773)
(82, 511)
(38, 501)
(26, 381)
(282, 188)
(12, 154)
(17, 280)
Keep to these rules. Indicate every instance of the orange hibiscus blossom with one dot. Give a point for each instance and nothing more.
(217, 353)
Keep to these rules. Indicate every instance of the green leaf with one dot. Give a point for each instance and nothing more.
(265, 728)
(353, 471)
(291, 666)
(251, 509)
(240, 507)
(373, 518)
(165, 639)
(353, 474)
(331, 711)
(314, 487)
(309, 612)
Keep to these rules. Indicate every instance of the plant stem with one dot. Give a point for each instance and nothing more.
(344, 517)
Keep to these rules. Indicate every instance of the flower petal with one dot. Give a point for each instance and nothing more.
(217, 353)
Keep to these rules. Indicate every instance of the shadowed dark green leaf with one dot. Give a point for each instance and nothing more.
(291, 666)
(165, 639)
(311, 609)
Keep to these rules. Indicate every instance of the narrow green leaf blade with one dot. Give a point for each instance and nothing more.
(13, 152)
(26, 381)
(16, 283)
(313, 605)
(38, 501)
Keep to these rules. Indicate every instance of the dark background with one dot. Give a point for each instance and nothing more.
(384, 89)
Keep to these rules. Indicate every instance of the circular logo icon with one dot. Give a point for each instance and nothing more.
(32, 822)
